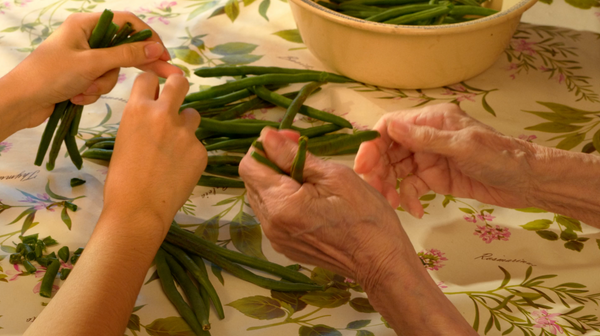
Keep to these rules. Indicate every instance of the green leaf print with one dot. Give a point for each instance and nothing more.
(291, 35)
(263, 8)
(538, 224)
(569, 223)
(532, 210)
(574, 245)
(203, 6)
(170, 326)
(552, 127)
(358, 324)
(364, 333)
(330, 298)
(240, 59)
(232, 9)
(259, 307)
(233, 48)
(209, 230)
(362, 305)
(548, 235)
(552, 116)
(246, 235)
(64, 215)
(291, 298)
(187, 55)
(583, 4)
(318, 330)
(571, 141)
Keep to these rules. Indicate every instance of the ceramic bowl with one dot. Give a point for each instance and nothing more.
(407, 57)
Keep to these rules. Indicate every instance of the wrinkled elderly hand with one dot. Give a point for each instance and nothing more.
(334, 220)
(441, 148)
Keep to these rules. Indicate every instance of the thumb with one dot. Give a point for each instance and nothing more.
(422, 138)
(280, 149)
(126, 55)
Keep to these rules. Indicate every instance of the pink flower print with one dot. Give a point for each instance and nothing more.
(448, 92)
(144, 10)
(248, 116)
(468, 96)
(5, 5)
(470, 218)
(15, 272)
(458, 87)
(543, 68)
(22, 3)
(597, 15)
(348, 280)
(488, 233)
(512, 66)
(441, 285)
(524, 46)
(544, 319)
(166, 5)
(561, 78)
(163, 20)
(359, 127)
(5, 146)
(513, 76)
(122, 78)
(36, 288)
(432, 259)
(486, 217)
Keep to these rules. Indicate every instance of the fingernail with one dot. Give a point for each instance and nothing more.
(153, 50)
(92, 89)
(77, 99)
(274, 139)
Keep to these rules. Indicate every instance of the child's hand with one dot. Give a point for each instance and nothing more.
(64, 67)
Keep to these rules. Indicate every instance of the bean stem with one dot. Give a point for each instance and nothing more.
(48, 279)
(297, 170)
(297, 103)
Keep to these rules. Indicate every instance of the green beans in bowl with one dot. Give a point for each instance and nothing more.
(439, 48)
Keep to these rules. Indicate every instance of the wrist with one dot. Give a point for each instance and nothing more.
(566, 183)
(138, 226)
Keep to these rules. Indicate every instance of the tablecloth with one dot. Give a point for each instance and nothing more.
(509, 271)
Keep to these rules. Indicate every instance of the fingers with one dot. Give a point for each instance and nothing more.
(422, 138)
(411, 188)
(144, 87)
(161, 68)
(191, 118)
(174, 91)
(279, 148)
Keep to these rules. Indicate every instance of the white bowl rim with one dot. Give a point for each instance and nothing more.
(502, 16)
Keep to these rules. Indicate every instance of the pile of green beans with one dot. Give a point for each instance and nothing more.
(31, 249)
(105, 34)
(223, 128)
(181, 260)
(411, 12)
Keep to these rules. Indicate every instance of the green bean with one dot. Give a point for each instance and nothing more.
(194, 270)
(379, 2)
(73, 151)
(231, 128)
(100, 29)
(57, 114)
(262, 70)
(218, 101)
(203, 291)
(122, 34)
(271, 78)
(48, 279)
(297, 170)
(64, 253)
(29, 266)
(316, 131)
(104, 145)
(258, 145)
(246, 275)
(328, 137)
(460, 11)
(74, 127)
(231, 144)
(398, 11)
(76, 182)
(59, 137)
(75, 255)
(282, 101)
(219, 182)
(360, 14)
(142, 35)
(339, 145)
(264, 160)
(297, 103)
(190, 242)
(224, 159)
(98, 154)
(64, 273)
(327, 5)
(223, 170)
(109, 35)
(422, 15)
(92, 141)
(168, 285)
(190, 290)
(361, 8)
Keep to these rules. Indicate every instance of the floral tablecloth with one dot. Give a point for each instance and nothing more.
(508, 271)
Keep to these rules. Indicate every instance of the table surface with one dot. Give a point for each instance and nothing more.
(470, 248)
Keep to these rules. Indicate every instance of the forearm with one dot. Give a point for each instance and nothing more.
(12, 109)
(567, 183)
(100, 293)
(412, 303)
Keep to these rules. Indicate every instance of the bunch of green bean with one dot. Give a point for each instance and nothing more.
(105, 34)
(180, 260)
(254, 87)
(31, 248)
(411, 12)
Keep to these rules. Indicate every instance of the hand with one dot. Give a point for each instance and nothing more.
(334, 220)
(441, 148)
(157, 159)
(64, 67)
